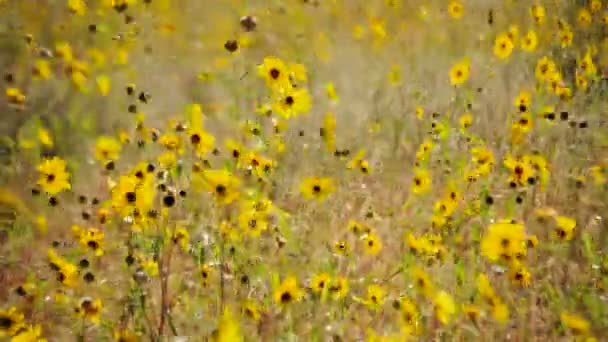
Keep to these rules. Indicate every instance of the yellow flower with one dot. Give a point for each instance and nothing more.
(444, 307)
(223, 184)
(317, 188)
(565, 37)
(253, 222)
(171, 142)
(131, 193)
(41, 69)
(422, 282)
(338, 288)
(500, 312)
(520, 274)
(275, 72)
(90, 309)
(291, 102)
(103, 84)
(375, 297)
(529, 41)
(228, 329)
(12, 322)
(372, 244)
(288, 292)
(250, 309)
(202, 142)
(538, 13)
(421, 182)
(181, 237)
(504, 241)
(149, 266)
(107, 149)
(465, 121)
(584, 17)
(595, 6)
(419, 112)
(78, 7)
(320, 283)
(544, 69)
(565, 228)
(53, 176)
(459, 73)
(15, 96)
(503, 46)
(297, 72)
(29, 334)
(45, 138)
(331, 92)
(92, 239)
(577, 324)
(455, 9)
(329, 131)
(359, 163)
(471, 311)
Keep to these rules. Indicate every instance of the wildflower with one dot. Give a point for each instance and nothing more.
(455, 9)
(565, 37)
(465, 121)
(107, 149)
(444, 307)
(77, 7)
(394, 75)
(320, 283)
(11, 321)
(529, 41)
(290, 102)
(520, 275)
(359, 163)
(223, 184)
(253, 222)
(419, 112)
(202, 142)
(484, 158)
(375, 297)
(372, 244)
(45, 138)
(149, 266)
(132, 195)
(329, 131)
(29, 334)
(53, 176)
(545, 67)
(93, 239)
(125, 336)
(250, 309)
(409, 316)
(538, 13)
(422, 282)
(297, 72)
(421, 182)
(459, 73)
(503, 241)
(500, 312)
(503, 46)
(90, 309)
(15, 96)
(171, 142)
(41, 69)
(275, 72)
(577, 324)
(565, 228)
(341, 247)
(317, 188)
(584, 17)
(424, 150)
(181, 237)
(228, 328)
(331, 92)
(103, 84)
(522, 172)
(471, 311)
(338, 288)
(67, 273)
(288, 292)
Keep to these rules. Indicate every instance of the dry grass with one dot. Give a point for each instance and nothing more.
(176, 55)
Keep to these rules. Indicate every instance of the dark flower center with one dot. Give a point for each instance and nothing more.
(195, 139)
(93, 244)
(286, 297)
(50, 178)
(6, 323)
(316, 189)
(220, 190)
(130, 196)
(289, 100)
(274, 73)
